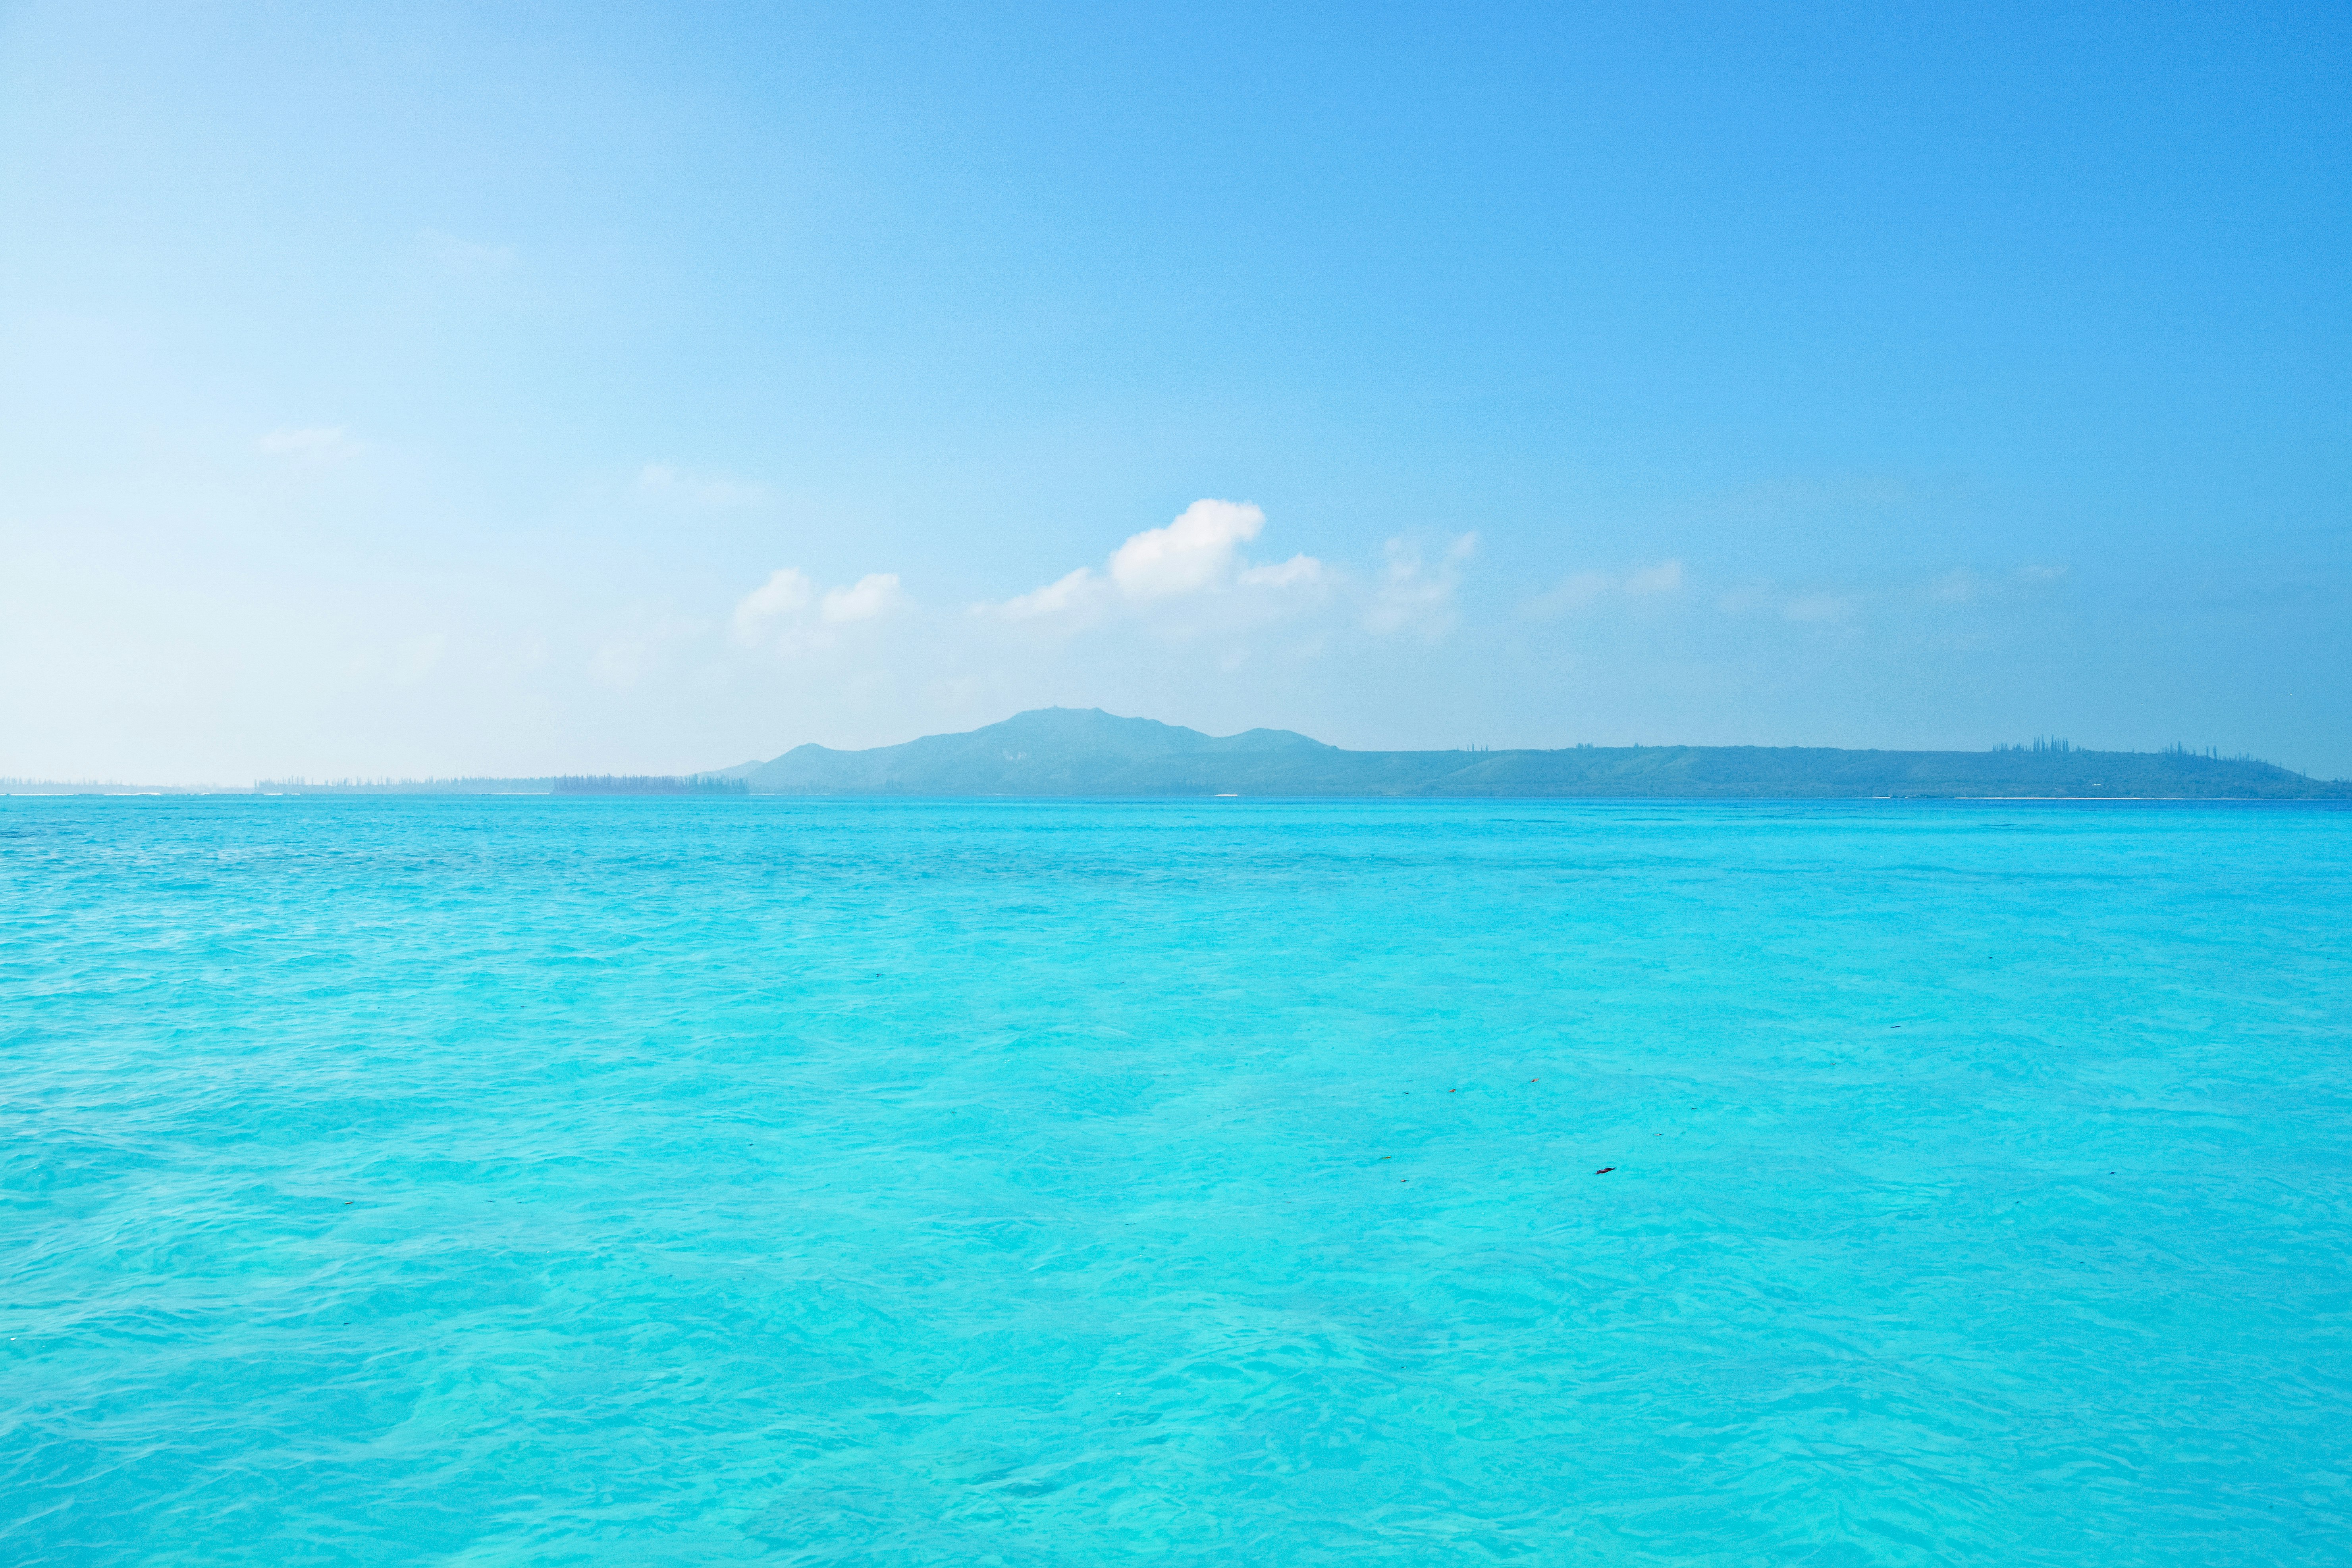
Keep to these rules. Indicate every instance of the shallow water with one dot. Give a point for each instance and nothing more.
(542, 1181)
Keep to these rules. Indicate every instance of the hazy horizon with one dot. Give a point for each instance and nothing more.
(442, 392)
(2036, 742)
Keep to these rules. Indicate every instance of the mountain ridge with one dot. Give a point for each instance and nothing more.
(1086, 751)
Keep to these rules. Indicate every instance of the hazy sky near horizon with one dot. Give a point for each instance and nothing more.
(435, 389)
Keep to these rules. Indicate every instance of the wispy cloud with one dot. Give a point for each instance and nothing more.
(1969, 586)
(786, 594)
(875, 594)
(1664, 578)
(1185, 596)
(659, 482)
(447, 253)
(1416, 595)
(650, 645)
(1800, 496)
(1818, 608)
(1298, 572)
(310, 443)
(1069, 594)
(1960, 587)
(1581, 589)
(1884, 602)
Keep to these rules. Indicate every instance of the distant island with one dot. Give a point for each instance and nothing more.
(642, 784)
(1086, 751)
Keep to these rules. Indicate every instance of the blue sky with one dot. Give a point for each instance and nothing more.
(435, 388)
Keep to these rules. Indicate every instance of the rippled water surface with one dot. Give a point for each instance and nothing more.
(546, 1181)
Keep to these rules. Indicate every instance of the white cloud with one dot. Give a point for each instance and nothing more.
(876, 593)
(788, 613)
(1194, 552)
(784, 595)
(1415, 595)
(311, 443)
(1071, 591)
(1198, 554)
(660, 482)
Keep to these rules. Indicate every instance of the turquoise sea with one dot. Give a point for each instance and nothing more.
(480, 1181)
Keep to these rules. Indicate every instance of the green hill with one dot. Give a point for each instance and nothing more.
(1074, 751)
